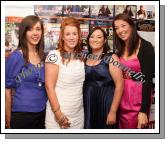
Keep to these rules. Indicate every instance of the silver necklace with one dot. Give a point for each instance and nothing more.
(39, 80)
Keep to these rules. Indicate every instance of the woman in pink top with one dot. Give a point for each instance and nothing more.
(137, 58)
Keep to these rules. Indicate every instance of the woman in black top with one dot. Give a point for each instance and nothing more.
(134, 52)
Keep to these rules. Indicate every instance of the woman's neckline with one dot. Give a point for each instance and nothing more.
(35, 65)
(93, 65)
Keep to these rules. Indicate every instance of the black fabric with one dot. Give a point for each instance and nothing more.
(146, 58)
(28, 120)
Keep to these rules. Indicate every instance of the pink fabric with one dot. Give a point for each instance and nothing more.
(131, 98)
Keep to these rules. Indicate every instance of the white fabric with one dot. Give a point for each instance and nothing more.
(69, 93)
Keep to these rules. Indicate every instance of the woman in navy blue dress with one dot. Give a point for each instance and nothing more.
(103, 85)
(24, 73)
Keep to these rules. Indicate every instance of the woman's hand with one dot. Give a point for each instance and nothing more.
(7, 124)
(8, 107)
(62, 120)
(111, 118)
(142, 120)
(65, 123)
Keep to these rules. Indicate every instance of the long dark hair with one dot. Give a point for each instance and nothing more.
(106, 47)
(134, 38)
(27, 23)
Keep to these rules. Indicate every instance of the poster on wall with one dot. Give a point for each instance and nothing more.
(84, 30)
(101, 11)
(81, 11)
(146, 25)
(145, 12)
(48, 10)
(106, 23)
(12, 30)
(51, 36)
(128, 9)
(84, 35)
(101, 15)
(109, 32)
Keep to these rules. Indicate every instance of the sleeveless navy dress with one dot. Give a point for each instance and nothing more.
(97, 95)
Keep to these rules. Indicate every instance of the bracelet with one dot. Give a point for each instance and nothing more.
(62, 118)
(54, 111)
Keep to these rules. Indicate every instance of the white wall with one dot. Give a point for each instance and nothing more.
(19, 11)
(149, 36)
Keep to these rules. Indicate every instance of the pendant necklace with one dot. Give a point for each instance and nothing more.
(39, 76)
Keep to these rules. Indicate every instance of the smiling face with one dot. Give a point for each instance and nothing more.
(96, 40)
(33, 35)
(123, 29)
(70, 37)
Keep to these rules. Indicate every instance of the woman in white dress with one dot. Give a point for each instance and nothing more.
(64, 77)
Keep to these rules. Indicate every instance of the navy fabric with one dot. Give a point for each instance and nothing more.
(98, 94)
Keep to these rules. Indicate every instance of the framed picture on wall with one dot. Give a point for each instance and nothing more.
(81, 11)
(128, 9)
(101, 11)
(48, 10)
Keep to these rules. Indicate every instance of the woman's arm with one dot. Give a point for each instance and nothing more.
(147, 68)
(8, 107)
(117, 77)
(51, 75)
(13, 66)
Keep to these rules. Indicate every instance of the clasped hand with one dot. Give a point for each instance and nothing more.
(62, 120)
